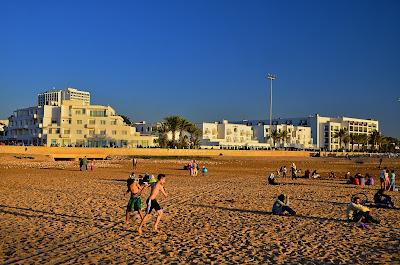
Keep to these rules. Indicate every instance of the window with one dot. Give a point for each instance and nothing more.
(103, 132)
(67, 131)
(124, 132)
(78, 121)
(58, 130)
(78, 112)
(103, 122)
(114, 132)
(114, 122)
(97, 113)
(91, 132)
(78, 131)
(92, 122)
(50, 131)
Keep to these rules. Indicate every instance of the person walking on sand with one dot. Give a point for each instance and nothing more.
(135, 200)
(134, 163)
(153, 204)
(380, 163)
(84, 163)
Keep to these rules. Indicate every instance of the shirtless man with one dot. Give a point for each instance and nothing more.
(135, 201)
(153, 204)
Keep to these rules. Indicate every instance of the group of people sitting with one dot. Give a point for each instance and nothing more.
(356, 210)
(359, 179)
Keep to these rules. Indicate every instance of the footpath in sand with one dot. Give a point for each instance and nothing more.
(50, 212)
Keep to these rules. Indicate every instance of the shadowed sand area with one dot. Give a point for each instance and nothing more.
(50, 212)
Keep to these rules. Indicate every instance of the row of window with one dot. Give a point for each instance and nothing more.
(91, 132)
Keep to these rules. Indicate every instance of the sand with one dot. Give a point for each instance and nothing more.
(50, 212)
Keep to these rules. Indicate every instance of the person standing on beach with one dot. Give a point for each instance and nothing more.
(84, 163)
(92, 165)
(153, 204)
(382, 174)
(134, 163)
(284, 171)
(293, 170)
(380, 162)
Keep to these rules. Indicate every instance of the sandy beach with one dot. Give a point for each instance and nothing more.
(52, 213)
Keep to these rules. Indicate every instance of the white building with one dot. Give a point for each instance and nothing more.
(228, 135)
(73, 123)
(55, 97)
(298, 137)
(324, 129)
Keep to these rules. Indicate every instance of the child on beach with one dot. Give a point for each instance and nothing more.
(281, 205)
(356, 212)
(153, 204)
(271, 179)
(392, 181)
(204, 171)
(135, 201)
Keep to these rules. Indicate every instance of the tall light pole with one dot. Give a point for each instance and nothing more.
(271, 77)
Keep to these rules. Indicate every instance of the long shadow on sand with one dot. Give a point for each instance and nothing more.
(44, 212)
(329, 202)
(315, 218)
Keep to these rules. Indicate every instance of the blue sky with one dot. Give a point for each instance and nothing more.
(206, 60)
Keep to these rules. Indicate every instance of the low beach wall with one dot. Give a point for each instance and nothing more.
(74, 152)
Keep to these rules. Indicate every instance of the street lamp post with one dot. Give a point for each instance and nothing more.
(271, 77)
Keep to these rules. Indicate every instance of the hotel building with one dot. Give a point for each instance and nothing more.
(73, 123)
(324, 129)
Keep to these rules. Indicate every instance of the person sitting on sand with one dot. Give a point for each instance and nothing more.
(315, 174)
(362, 180)
(281, 205)
(271, 179)
(332, 175)
(356, 212)
(153, 204)
(307, 174)
(383, 200)
(370, 180)
(135, 201)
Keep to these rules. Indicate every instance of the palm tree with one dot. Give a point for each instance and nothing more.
(352, 138)
(183, 127)
(363, 140)
(195, 134)
(163, 130)
(374, 138)
(275, 136)
(341, 135)
(284, 135)
(174, 125)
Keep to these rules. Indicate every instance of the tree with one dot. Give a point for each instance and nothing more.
(275, 136)
(163, 130)
(352, 138)
(174, 124)
(284, 135)
(195, 134)
(374, 138)
(126, 119)
(341, 135)
(363, 140)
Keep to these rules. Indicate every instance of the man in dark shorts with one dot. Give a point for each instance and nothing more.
(153, 204)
